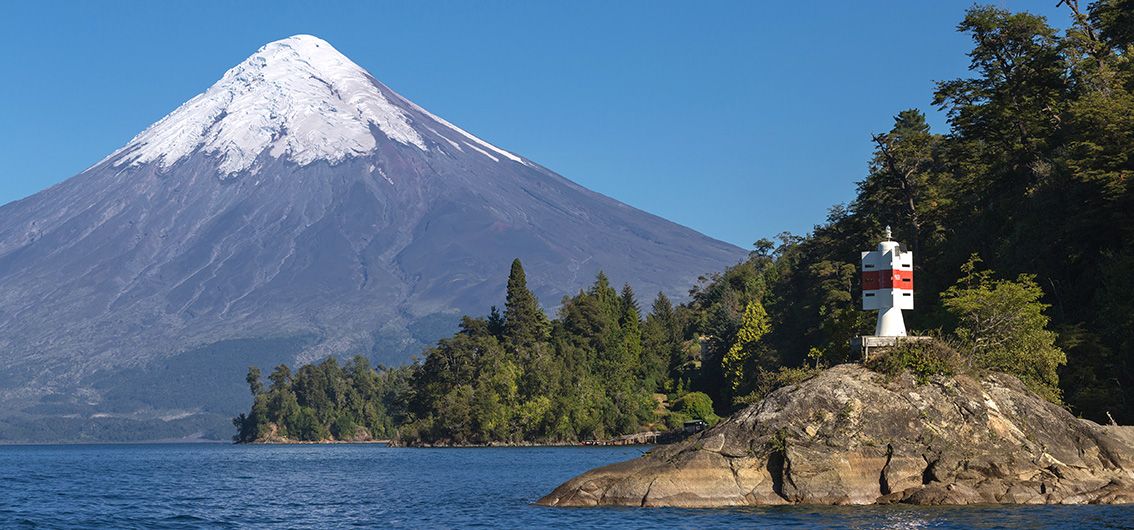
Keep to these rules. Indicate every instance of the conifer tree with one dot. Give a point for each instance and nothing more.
(525, 323)
(649, 366)
(496, 323)
(664, 334)
(280, 377)
(608, 299)
(253, 379)
(628, 303)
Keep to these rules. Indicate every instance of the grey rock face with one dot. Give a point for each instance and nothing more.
(850, 436)
(125, 265)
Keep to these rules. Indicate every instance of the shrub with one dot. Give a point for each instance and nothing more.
(1001, 326)
(922, 358)
(769, 381)
(676, 420)
(698, 406)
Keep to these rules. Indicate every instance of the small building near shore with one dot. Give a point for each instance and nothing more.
(694, 426)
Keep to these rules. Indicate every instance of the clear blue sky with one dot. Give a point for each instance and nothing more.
(739, 119)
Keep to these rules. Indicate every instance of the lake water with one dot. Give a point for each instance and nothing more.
(320, 486)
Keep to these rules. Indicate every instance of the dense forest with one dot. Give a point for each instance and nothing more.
(596, 371)
(1021, 216)
(1033, 176)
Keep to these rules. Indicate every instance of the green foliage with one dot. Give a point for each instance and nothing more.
(590, 373)
(742, 357)
(697, 406)
(495, 323)
(525, 324)
(1002, 326)
(663, 338)
(253, 379)
(1034, 174)
(815, 356)
(305, 426)
(676, 420)
(326, 401)
(1114, 20)
(778, 442)
(923, 359)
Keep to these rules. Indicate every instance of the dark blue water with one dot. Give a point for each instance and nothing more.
(224, 486)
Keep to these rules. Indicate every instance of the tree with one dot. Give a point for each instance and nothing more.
(1002, 326)
(496, 323)
(1115, 21)
(253, 379)
(250, 426)
(630, 322)
(651, 363)
(629, 304)
(607, 301)
(763, 247)
(662, 335)
(697, 406)
(900, 175)
(280, 377)
(1015, 99)
(743, 357)
(525, 323)
(307, 427)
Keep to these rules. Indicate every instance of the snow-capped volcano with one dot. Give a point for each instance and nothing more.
(297, 208)
(297, 98)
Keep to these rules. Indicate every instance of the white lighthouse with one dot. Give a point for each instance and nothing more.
(887, 286)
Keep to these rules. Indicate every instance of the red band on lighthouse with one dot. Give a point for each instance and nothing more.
(887, 279)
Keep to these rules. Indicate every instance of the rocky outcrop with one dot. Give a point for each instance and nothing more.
(853, 436)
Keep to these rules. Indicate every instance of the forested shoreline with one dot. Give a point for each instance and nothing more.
(1021, 216)
(598, 370)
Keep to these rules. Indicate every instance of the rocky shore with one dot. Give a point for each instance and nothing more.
(853, 436)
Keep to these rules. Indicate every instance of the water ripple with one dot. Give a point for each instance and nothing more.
(365, 486)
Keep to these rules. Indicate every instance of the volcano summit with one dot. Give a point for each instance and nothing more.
(297, 208)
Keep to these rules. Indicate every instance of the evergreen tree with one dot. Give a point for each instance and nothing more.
(496, 323)
(280, 377)
(662, 335)
(253, 379)
(325, 401)
(1114, 21)
(662, 311)
(902, 189)
(525, 323)
(607, 298)
(649, 365)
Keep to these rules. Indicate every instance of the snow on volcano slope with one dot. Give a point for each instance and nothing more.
(297, 97)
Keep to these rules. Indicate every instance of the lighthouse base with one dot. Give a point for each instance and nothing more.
(890, 323)
(865, 347)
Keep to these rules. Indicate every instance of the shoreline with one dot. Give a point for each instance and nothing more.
(393, 443)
